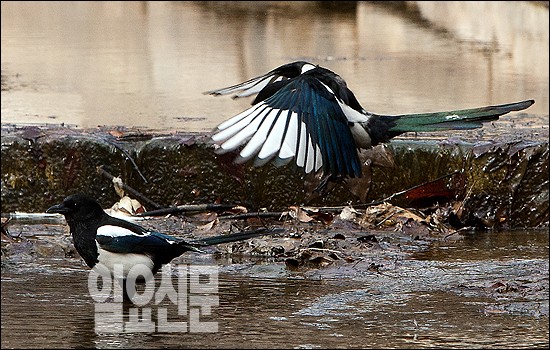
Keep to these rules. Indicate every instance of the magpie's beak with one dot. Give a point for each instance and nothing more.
(58, 208)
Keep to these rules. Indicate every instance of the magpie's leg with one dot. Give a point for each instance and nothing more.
(321, 188)
(125, 296)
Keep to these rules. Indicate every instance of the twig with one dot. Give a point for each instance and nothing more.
(267, 214)
(336, 209)
(113, 143)
(102, 171)
(389, 198)
(323, 250)
(280, 214)
(389, 217)
(187, 208)
(34, 218)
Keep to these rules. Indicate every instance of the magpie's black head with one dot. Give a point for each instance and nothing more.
(79, 207)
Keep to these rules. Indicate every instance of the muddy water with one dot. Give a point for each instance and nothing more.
(452, 296)
(146, 64)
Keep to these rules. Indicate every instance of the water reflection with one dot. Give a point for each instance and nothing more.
(146, 64)
(489, 245)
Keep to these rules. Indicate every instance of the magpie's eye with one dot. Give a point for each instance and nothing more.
(71, 204)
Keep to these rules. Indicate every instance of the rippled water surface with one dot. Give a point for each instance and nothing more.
(146, 64)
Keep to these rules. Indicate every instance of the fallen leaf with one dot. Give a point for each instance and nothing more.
(208, 226)
(127, 206)
(116, 133)
(348, 213)
(298, 213)
(238, 209)
(118, 185)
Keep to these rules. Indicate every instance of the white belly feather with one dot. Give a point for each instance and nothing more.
(120, 264)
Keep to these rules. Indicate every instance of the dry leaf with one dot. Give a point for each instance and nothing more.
(325, 218)
(118, 185)
(127, 207)
(239, 209)
(116, 133)
(348, 213)
(299, 214)
(208, 226)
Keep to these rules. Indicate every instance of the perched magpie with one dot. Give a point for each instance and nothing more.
(307, 113)
(101, 238)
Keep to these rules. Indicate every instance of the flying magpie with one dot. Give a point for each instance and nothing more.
(102, 239)
(306, 112)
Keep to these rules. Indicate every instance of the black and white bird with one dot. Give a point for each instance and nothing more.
(102, 239)
(307, 113)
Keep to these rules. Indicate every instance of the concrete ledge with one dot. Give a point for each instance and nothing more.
(499, 183)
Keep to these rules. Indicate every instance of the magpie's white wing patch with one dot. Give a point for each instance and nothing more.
(306, 67)
(255, 85)
(117, 231)
(249, 87)
(269, 132)
(240, 128)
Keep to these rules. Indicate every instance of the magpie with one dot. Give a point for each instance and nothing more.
(102, 239)
(307, 113)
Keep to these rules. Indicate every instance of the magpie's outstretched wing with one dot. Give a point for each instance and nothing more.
(267, 83)
(304, 120)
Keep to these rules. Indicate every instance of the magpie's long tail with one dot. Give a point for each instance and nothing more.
(234, 237)
(451, 120)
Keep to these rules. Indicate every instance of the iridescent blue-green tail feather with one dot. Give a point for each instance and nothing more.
(450, 120)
